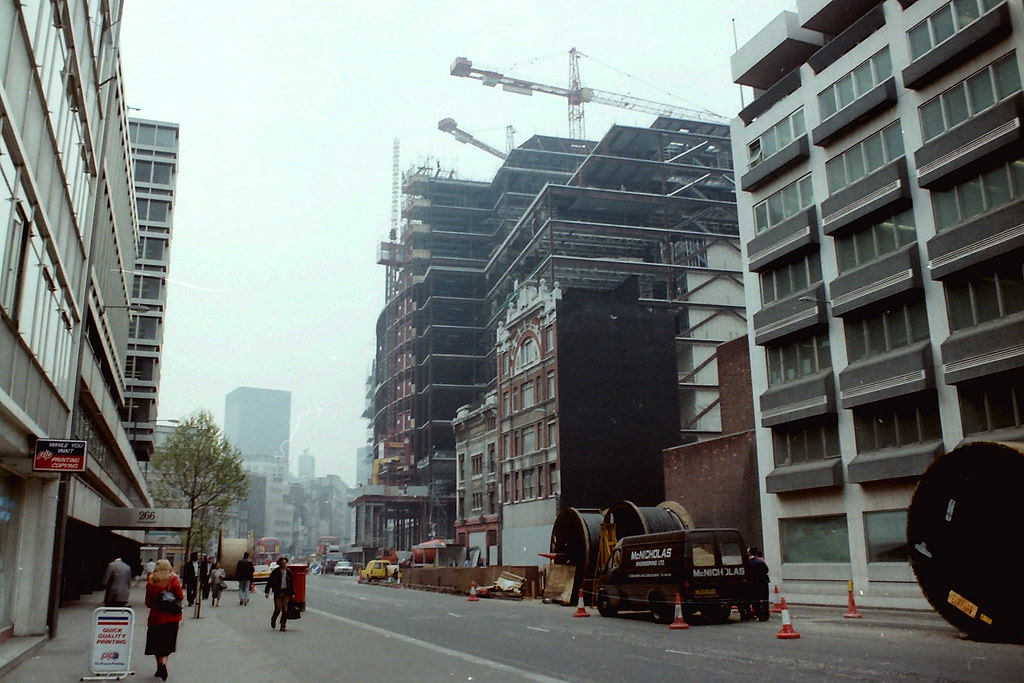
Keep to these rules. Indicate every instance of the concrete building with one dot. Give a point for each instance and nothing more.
(258, 423)
(880, 213)
(155, 159)
(68, 236)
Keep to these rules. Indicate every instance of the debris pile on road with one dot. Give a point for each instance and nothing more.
(507, 585)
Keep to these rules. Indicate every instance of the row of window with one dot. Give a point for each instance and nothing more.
(969, 97)
(153, 135)
(776, 137)
(975, 196)
(853, 85)
(865, 157)
(531, 484)
(945, 22)
(826, 539)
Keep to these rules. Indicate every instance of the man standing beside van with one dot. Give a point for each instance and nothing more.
(759, 583)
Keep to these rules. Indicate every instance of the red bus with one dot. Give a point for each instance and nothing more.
(268, 549)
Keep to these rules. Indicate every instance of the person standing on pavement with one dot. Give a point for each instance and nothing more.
(190, 575)
(244, 571)
(217, 575)
(117, 583)
(150, 566)
(204, 576)
(282, 582)
(761, 581)
(162, 627)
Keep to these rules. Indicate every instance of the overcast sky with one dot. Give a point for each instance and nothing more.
(288, 113)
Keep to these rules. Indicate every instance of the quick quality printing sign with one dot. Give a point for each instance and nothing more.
(112, 640)
(52, 455)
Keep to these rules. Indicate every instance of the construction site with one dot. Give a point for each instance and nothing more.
(645, 213)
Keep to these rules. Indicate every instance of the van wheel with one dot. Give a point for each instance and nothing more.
(661, 610)
(604, 606)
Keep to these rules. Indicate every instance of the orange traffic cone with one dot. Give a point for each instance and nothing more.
(776, 608)
(252, 586)
(851, 609)
(679, 622)
(787, 632)
(581, 611)
(472, 592)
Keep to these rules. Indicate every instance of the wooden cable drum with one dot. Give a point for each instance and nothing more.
(963, 529)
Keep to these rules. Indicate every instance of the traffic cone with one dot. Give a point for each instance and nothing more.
(581, 611)
(776, 608)
(851, 609)
(787, 632)
(679, 622)
(252, 586)
(472, 592)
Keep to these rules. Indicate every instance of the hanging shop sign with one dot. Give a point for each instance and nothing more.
(63, 455)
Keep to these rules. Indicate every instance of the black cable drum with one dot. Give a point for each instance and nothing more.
(963, 530)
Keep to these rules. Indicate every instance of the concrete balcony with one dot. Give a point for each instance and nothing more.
(832, 17)
(794, 401)
(883, 192)
(977, 240)
(878, 283)
(986, 349)
(777, 49)
(954, 155)
(796, 233)
(897, 373)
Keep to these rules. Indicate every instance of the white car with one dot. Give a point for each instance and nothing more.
(344, 567)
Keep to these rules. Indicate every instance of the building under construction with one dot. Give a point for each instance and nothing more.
(655, 204)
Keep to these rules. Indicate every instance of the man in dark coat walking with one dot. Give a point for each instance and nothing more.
(244, 571)
(760, 580)
(190, 577)
(282, 582)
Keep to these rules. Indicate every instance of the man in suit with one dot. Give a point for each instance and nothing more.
(282, 582)
(244, 572)
(117, 583)
(190, 577)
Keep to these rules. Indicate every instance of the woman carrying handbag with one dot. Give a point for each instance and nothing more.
(163, 598)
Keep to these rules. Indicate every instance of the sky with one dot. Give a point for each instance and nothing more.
(288, 114)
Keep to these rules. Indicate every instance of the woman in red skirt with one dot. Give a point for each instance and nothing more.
(162, 631)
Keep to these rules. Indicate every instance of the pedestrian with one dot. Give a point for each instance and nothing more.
(217, 575)
(117, 583)
(150, 566)
(244, 572)
(204, 577)
(162, 625)
(760, 580)
(190, 574)
(282, 583)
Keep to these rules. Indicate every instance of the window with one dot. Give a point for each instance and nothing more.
(790, 362)
(991, 296)
(864, 158)
(529, 440)
(797, 444)
(528, 394)
(528, 354)
(990, 190)
(528, 484)
(477, 463)
(143, 327)
(786, 203)
(552, 433)
(790, 278)
(153, 210)
(885, 534)
(815, 539)
(152, 248)
(847, 89)
(551, 384)
(893, 329)
(144, 287)
(946, 22)
(904, 422)
(776, 137)
(864, 246)
(991, 403)
(153, 172)
(994, 83)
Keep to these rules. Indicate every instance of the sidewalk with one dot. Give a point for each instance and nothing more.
(67, 657)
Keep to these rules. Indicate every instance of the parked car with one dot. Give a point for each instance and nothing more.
(261, 573)
(344, 567)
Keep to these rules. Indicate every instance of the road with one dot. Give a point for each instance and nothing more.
(373, 633)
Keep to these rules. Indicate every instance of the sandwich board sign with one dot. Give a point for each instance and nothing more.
(111, 656)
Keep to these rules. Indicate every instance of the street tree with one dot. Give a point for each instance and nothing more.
(199, 469)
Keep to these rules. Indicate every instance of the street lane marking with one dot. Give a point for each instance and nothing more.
(538, 628)
(453, 614)
(465, 656)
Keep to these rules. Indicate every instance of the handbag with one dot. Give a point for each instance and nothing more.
(293, 611)
(167, 602)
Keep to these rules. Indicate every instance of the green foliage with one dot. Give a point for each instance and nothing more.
(199, 469)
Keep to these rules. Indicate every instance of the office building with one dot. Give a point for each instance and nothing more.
(881, 171)
(258, 423)
(68, 239)
(155, 161)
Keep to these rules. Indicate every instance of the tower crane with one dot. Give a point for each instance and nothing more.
(577, 95)
(448, 125)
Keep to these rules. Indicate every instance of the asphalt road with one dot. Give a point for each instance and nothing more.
(375, 633)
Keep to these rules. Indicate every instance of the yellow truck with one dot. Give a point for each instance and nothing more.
(377, 570)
